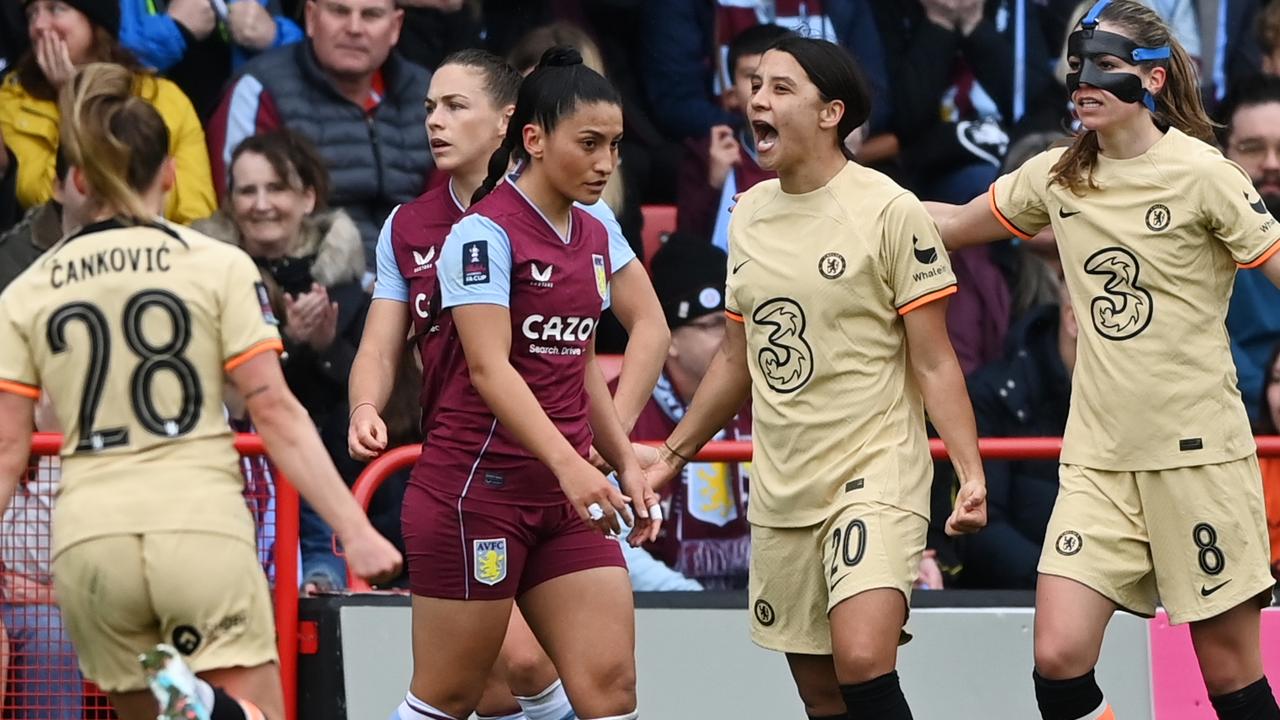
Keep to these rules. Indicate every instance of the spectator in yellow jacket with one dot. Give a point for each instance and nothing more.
(66, 34)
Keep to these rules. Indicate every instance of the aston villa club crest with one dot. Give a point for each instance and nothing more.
(602, 278)
(711, 493)
(490, 560)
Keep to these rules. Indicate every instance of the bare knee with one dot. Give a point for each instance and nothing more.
(860, 662)
(527, 669)
(1229, 654)
(1223, 675)
(604, 689)
(1061, 657)
(618, 682)
(457, 700)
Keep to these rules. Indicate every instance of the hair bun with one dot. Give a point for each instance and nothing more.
(560, 56)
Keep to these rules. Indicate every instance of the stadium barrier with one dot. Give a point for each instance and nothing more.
(36, 659)
(1041, 448)
(33, 607)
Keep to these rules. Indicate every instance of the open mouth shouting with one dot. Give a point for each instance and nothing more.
(766, 136)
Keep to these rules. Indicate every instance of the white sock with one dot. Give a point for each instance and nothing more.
(550, 704)
(414, 709)
(516, 716)
(633, 715)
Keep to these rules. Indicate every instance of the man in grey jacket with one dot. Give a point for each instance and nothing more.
(357, 101)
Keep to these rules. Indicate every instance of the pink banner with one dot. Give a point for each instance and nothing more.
(1175, 675)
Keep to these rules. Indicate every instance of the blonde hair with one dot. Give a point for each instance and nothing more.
(1178, 103)
(116, 138)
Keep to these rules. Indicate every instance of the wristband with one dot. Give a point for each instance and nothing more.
(672, 450)
(358, 406)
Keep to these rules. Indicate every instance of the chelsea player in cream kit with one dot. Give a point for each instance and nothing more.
(1160, 493)
(133, 326)
(835, 273)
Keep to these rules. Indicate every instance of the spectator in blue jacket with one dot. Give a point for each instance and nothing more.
(684, 44)
(199, 43)
(1251, 139)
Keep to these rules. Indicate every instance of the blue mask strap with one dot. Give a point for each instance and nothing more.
(1143, 54)
(1091, 19)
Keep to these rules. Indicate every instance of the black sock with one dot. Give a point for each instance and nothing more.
(1254, 702)
(841, 716)
(1067, 699)
(226, 707)
(880, 698)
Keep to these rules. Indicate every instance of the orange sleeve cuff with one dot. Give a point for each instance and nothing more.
(1265, 256)
(273, 345)
(17, 388)
(922, 301)
(736, 317)
(1006, 222)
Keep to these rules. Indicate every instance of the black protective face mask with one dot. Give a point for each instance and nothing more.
(1090, 45)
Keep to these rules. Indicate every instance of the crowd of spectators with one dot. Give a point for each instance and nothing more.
(298, 125)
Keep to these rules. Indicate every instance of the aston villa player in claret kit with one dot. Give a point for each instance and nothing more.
(1160, 495)
(512, 510)
(469, 106)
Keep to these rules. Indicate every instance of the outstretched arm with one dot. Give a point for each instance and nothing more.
(295, 447)
(720, 396)
(973, 223)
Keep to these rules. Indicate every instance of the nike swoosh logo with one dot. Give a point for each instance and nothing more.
(1206, 592)
(738, 267)
(1062, 213)
(837, 581)
(1259, 207)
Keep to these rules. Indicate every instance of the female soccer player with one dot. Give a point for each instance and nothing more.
(1160, 491)
(835, 273)
(469, 105)
(133, 326)
(523, 279)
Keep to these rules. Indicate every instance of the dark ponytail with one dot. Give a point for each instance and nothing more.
(551, 92)
(498, 161)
